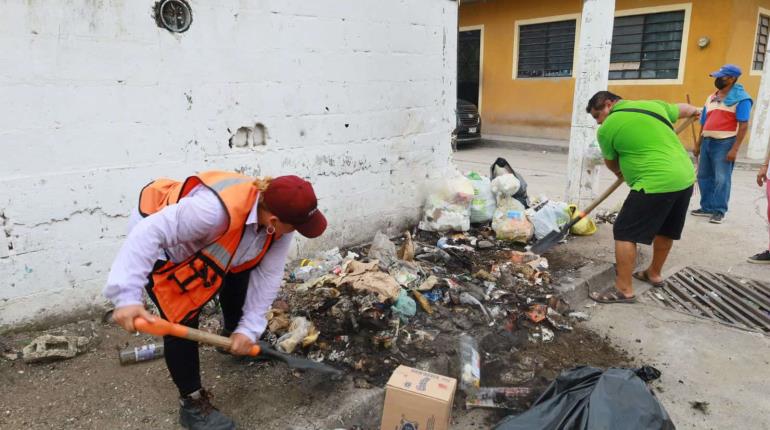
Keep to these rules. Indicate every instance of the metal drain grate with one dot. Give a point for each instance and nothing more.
(739, 302)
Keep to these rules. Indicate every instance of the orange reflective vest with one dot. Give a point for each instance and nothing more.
(181, 289)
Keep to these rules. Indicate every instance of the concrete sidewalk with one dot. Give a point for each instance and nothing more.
(701, 360)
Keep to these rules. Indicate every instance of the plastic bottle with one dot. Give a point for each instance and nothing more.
(141, 353)
(470, 364)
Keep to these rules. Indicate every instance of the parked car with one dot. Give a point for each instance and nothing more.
(468, 127)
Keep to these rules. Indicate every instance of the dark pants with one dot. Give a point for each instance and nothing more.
(715, 174)
(181, 354)
(644, 216)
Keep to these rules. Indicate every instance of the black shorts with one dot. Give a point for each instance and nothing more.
(645, 216)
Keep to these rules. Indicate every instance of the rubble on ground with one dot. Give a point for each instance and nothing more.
(604, 216)
(410, 299)
(48, 348)
(370, 316)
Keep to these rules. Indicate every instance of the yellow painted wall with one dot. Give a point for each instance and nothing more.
(521, 107)
(542, 107)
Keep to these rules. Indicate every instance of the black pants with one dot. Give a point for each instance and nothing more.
(645, 216)
(181, 354)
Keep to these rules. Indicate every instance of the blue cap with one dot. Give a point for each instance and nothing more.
(727, 70)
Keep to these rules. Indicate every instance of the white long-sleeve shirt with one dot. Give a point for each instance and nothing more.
(180, 230)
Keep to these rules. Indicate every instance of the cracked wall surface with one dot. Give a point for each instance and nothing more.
(357, 96)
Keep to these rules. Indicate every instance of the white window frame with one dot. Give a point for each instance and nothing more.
(752, 72)
(481, 59)
(687, 8)
(544, 20)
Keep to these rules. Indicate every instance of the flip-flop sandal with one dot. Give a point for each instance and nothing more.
(642, 276)
(611, 295)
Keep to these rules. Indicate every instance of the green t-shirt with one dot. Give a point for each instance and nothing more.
(651, 156)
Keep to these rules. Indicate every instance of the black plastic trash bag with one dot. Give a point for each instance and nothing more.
(587, 398)
(501, 167)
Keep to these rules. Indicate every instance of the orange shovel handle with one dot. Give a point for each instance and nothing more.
(161, 327)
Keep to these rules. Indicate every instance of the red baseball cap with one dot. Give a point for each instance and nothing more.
(293, 201)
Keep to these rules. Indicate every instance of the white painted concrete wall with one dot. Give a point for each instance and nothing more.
(760, 131)
(592, 74)
(357, 95)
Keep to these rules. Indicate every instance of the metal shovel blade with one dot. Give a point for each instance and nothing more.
(549, 241)
(295, 362)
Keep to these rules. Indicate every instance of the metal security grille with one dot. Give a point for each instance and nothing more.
(760, 48)
(546, 50)
(739, 302)
(647, 46)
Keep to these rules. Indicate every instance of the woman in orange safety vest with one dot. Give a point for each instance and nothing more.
(215, 233)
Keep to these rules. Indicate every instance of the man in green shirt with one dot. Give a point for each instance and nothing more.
(639, 144)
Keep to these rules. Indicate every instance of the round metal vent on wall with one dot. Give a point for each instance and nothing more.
(173, 15)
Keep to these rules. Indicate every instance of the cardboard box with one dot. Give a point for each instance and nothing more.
(417, 400)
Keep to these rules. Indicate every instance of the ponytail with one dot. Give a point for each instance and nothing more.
(262, 182)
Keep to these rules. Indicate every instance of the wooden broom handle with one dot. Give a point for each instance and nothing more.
(161, 327)
(684, 125)
(601, 198)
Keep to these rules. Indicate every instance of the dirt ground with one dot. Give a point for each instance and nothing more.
(93, 391)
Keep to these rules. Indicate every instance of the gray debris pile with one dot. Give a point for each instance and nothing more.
(408, 300)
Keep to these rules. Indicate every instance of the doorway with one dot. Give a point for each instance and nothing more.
(469, 62)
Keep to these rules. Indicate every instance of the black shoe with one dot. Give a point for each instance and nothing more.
(717, 218)
(761, 258)
(197, 413)
(700, 212)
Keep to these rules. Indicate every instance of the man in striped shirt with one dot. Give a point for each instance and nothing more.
(724, 122)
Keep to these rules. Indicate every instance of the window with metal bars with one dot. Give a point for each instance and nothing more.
(760, 47)
(647, 46)
(546, 50)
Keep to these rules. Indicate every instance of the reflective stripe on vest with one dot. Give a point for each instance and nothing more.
(224, 183)
(220, 255)
(258, 259)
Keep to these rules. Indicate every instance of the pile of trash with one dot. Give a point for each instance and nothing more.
(463, 273)
(387, 303)
(502, 200)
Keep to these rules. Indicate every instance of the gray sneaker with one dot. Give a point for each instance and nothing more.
(717, 218)
(700, 212)
(761, 258)
(197, 413)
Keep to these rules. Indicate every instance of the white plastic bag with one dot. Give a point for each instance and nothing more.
(447, 207)
(552, 216)
(509, 221)
(512, 225)
(506, 184)
(483, 203)
(383, 249)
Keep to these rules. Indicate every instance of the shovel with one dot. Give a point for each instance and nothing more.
(556, 236)
(551, 239)
(162, 327)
